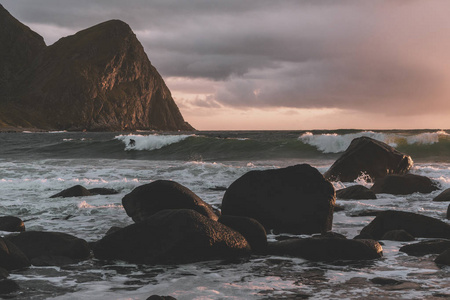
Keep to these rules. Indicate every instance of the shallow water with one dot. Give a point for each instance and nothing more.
(35, 166)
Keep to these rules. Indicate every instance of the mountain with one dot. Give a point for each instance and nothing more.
(97, 79)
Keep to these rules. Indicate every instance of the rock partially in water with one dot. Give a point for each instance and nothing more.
(252, 230)
(11, 224)
(172, 236)
(11, 256)
(415, 224)
(103, 191)
(443, 197)
(295, 199)
(385, 281)
(448, 212)
(156, 297)
(327, 249)
(404, 185)
(8, 286)
(148, 199)
(370, 157)
(355, 192)
(426, 247)
(75, 191)
(398, 235)
(443, 258)
(41, 247)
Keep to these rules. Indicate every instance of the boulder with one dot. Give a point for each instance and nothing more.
(102, 191)
(398, 235)
(75, 191)
(355, 192)
(443, 197)
(426, 247)
(369, 157)
(252, 230)
(295, 199)
(327, 249)
(415, 224)
(11, 257)
(404, 185)
(148, 199)
(42, 247)
(11, 224)
(443, 258)
(172, 237)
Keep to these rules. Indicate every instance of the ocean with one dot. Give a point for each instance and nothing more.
(34, 166)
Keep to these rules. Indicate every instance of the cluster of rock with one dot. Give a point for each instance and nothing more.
(172, 225)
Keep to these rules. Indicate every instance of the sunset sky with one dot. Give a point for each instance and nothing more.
(312, 64)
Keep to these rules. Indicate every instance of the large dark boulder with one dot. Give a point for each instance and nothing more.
(426, 247)
(355, 192)
(11, 257)
(172, 236)
(295, 199)
(148, 199)
(51, 248)
(443, 197)
(75, 191)
(327, 249)
(415, 224)
(443, 258)
(404, 185)
(11, 224)
(371, 157)
(252, 230)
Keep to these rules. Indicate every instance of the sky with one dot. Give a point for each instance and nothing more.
(282, 65)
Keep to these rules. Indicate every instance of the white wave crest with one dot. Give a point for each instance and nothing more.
(149, 142)
(335, 143)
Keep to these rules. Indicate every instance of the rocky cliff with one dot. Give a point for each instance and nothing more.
(97, 79)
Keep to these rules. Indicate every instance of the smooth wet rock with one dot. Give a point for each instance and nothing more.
(11, 224)
(443, 258)
(75, 191)
(371, 157)
(355, 192)
(443, 197)
(415, 224)
(426, 247)
(385, 281)
(295, 199)
(42, 246)
(148, 199)
(102, 191)
(172, 236)
(404, 185)
(327, 249)
(252, 230)
(156, 297)
(11, 257)
(398, 235)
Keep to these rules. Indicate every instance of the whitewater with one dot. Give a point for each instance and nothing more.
(34, 166)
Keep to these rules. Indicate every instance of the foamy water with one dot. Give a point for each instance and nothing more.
(26, 183)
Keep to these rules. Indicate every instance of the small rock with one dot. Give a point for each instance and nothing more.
(385, 281)
(404, 185)
(443, 197)
(355, 192)
(103, 191)
(11, 224)
(75, 191)
(443, 258)
(426, 247)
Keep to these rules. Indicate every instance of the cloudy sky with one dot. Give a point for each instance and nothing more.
(311, 64)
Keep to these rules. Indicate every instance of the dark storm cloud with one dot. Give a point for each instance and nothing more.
(361, 55)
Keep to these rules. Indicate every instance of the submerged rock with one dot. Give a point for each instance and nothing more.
(11, 257)
(443, 197)
(355, 192)
(75, 191)
(327, 249)
(11, 224)
(404, 185)
(415, 224)
(148, 199)
(252, 230)
(295, 199)
(51, 248)
(426, 247)
(172, 236)
(156, 297)
(370, 157)
(102, 191)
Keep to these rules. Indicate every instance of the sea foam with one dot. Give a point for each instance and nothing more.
(150, 142)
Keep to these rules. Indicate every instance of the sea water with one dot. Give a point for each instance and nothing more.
(34, 166)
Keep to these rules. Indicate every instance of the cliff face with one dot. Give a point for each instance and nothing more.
(98, 79)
